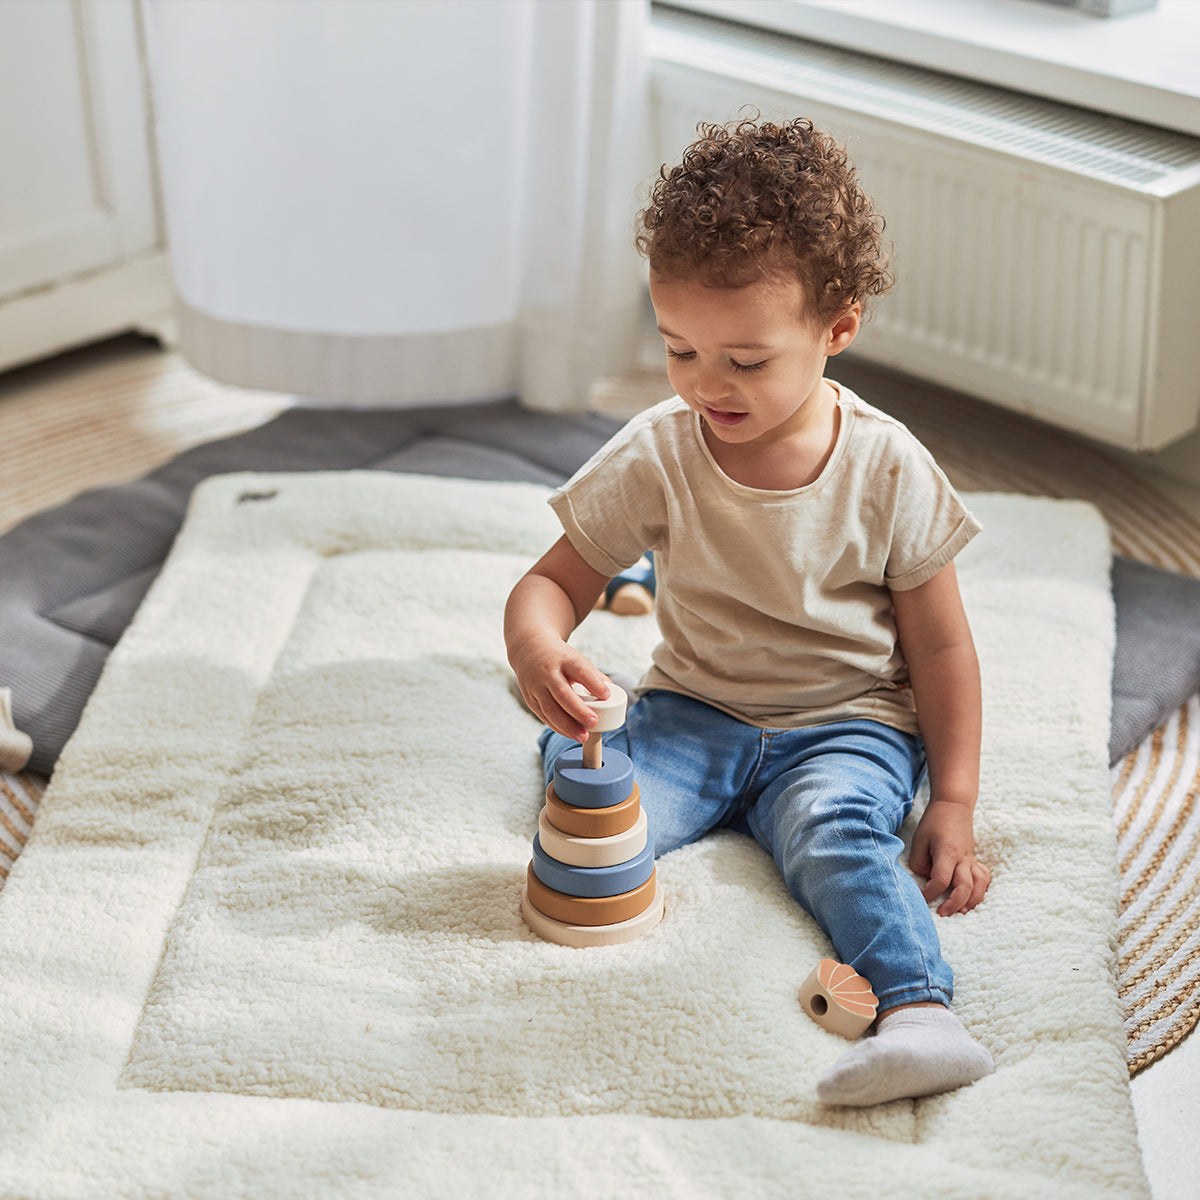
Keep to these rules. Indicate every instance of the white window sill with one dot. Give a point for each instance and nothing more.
(1143, 67)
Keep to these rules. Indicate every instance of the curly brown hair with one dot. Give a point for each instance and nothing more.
(753, 197)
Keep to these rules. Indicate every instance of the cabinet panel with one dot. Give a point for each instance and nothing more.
(76, 188)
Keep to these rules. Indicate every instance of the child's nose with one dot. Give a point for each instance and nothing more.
(709, 384)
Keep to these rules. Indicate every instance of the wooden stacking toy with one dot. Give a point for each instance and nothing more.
(591, 881)
(838, 998)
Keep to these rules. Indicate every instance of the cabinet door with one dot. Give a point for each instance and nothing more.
(76, 185)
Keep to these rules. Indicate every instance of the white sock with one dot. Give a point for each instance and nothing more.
(916, 1052)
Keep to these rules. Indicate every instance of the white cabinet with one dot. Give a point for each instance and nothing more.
(81, 243)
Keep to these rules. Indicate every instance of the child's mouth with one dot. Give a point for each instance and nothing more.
(724, 418)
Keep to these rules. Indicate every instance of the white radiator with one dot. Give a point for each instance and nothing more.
(1048, 257)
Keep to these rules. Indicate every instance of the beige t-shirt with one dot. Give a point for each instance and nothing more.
(773, 606)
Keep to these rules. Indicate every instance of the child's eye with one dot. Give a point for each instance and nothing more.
(742, 368)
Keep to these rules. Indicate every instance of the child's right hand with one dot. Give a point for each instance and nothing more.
(546, 667)
(547, 604)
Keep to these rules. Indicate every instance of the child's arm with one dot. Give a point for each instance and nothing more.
(549, 601)
(935, 640)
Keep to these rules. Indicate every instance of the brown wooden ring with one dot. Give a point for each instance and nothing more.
(585, 910)
(593, 822)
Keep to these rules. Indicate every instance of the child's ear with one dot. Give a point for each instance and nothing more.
(844, 330)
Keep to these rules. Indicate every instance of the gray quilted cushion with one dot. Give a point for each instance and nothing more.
(72, 577)
(1156, 666)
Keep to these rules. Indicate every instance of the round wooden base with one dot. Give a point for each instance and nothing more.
(580, 936)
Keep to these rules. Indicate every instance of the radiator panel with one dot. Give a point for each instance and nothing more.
(1030, 270)
(1039, 291)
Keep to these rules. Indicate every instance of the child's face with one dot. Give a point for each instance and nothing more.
(747, 359)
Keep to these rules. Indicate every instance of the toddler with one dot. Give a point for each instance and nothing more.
(815, 658)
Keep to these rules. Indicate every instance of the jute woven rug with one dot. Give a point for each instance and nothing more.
(112, 414)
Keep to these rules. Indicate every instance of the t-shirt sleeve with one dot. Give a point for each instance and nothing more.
(930, 523)
(612, 508)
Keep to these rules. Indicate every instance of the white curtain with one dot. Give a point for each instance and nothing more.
(393, 201)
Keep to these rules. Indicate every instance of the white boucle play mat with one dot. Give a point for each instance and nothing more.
(265, 940)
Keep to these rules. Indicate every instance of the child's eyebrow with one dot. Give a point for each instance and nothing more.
(735, 346)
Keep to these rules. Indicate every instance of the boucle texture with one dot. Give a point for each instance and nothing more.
(265, 939)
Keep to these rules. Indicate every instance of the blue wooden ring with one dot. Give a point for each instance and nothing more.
(583, 787)
(593, 882)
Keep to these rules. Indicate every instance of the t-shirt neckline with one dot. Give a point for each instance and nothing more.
(846, 417)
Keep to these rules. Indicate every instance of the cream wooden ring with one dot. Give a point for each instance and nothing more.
(592, 851)
(581, 936)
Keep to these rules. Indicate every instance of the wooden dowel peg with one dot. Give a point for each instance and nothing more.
(593, 751)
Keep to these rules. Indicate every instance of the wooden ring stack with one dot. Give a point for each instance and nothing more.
(591, 881)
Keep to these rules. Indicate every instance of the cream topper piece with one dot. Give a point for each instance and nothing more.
(610, 715)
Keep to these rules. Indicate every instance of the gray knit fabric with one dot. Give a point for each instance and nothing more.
(1156, 665)
(72, 577)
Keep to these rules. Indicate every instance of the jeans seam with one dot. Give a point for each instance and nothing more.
(899, 883)
(746, 796)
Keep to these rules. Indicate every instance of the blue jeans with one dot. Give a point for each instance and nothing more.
(825, 802)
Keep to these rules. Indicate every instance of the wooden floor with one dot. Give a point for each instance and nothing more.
(113, 411)
(105, 414)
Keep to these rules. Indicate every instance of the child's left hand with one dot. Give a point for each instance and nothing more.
(943, 850)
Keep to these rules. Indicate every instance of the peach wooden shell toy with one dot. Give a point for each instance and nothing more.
(838, 998)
